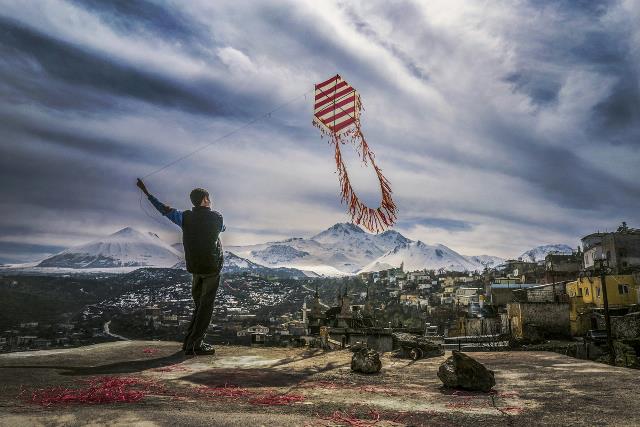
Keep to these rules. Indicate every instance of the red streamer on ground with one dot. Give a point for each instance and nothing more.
(226, 391)
(337, 115)
(350, 419)
(96, 391)
(332, 385)
(277, 399)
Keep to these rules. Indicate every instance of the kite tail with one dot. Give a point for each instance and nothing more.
(375, 220)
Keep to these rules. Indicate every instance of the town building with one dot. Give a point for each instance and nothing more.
(586, 299)
(562, 267)
(503, 293)
(620, 248)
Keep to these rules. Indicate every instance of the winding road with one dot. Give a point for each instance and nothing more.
(108, 332)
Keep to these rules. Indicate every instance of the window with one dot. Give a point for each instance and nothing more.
(623, 289)
(598, 292)
(586, 291)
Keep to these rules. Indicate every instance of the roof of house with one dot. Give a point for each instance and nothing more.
(512, 285)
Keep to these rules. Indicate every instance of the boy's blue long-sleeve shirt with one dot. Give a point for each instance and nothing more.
(172, 214)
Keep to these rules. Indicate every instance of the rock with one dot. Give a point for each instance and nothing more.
(366, 361)
(357, 347)
(462, 371)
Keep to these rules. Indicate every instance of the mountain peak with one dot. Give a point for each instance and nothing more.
(540, 252)
(345, 226)
(127, 247)
(339, 230)
(127, 231)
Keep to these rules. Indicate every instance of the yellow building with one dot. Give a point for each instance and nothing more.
(585, 295)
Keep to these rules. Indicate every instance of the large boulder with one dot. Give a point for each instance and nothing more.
(462, 371)
(366, 361)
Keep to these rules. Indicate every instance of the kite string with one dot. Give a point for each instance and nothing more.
(228, 134)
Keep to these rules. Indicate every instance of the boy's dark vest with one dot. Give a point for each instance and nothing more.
(202, 249)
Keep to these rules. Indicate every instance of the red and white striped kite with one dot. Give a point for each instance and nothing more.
(337, 114)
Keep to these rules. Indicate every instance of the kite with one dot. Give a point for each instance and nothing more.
(337, 114)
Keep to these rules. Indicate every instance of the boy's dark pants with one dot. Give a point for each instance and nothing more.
(204, 291)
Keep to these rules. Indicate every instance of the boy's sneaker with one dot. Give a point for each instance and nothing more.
(202, 350)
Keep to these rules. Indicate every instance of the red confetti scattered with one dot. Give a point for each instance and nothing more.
(331, 385)
(150, 351)
(226, 391)
(96, 391)
(277, 399)
(350, 419)
(507, 394)
(379, 390)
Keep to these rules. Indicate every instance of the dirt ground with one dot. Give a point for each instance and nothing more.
(242, 386)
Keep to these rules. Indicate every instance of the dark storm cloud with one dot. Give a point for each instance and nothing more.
(591, 45)
(399, 14)
(72, 64)
(594, 8)
(540, 87)
(99, 146)
(15, 252)
(619, 114)
(443, 223)
(558, 172)
(162, 21)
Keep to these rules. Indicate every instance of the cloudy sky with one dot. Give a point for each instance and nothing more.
(501, 125)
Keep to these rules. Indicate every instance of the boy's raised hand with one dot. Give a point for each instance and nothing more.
(142, 187)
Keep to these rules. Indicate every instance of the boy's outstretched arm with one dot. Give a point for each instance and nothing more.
(173, 214)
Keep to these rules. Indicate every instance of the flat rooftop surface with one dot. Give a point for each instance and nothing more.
(242, 386)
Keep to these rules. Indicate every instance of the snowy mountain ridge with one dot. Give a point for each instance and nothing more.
(342, 249)
(345, 248)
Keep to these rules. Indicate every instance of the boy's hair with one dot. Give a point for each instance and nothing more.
(198, 195)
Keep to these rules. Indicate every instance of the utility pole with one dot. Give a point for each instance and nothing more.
(553, 277)
(607, 318)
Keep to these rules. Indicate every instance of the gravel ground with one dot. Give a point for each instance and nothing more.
(243, 386)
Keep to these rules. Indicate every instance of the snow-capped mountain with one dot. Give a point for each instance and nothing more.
(345, 248)
(125, 248)
(489, 260)
(540, 252)
(418, 255)
(340, 250)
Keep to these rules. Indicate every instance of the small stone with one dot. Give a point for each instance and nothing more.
(462, 371)
(366, 361)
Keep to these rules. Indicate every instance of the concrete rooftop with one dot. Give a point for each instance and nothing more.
(532, 388)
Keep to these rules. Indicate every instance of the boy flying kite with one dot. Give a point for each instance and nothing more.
(201, 228)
